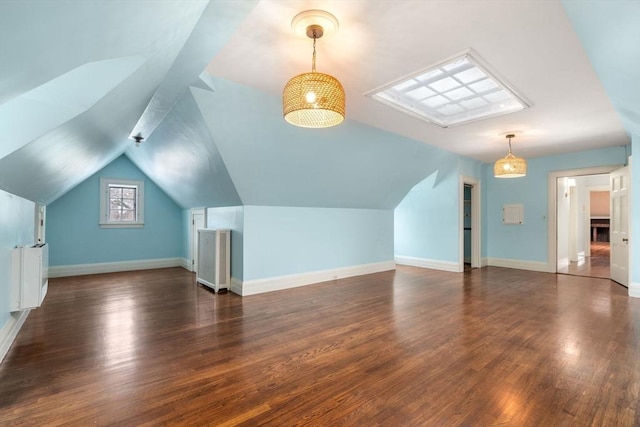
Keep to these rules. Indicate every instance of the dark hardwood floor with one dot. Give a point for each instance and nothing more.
(413, 347)
(596, 265)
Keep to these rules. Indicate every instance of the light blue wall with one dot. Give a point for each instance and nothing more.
(427, 219)
(280, 241)
(610, 33)
(75, 237)
(17, 220)
(528, 242)
(231, 218)
(272, 163)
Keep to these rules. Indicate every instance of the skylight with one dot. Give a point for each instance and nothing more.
(451, 93)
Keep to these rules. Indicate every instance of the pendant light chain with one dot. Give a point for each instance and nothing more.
(313, 63)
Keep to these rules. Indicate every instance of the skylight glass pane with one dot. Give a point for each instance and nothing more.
(473, 103)
(444, 85)
(451, 93)
(400, 87)
(470, 75)
(451, 109)
(483, 85)
(457, 94)
(497, 96)
(435, 101)
(420, 93)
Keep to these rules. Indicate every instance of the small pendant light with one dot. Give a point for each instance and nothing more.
(511, 166)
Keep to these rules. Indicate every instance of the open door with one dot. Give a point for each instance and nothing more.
(619, 227)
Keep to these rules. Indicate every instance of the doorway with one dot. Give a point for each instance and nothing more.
(583, 225)
(197, 221)
(469, 223)
(619, 217)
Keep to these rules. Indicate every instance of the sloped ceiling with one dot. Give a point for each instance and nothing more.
(202, 81)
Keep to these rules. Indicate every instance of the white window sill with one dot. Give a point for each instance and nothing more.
(121, 224)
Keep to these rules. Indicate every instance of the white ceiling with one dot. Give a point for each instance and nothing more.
(531, 44)
(201, 81)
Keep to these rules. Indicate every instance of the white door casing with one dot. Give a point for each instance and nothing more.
(476, 195)
(619, 225)
(197, 222)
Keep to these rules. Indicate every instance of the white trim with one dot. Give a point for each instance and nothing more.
(563, 263)
(518, 264)
(552, 237)
(634, 289)
(236, 286)
(114, 267)
(258, 286)
(193, 236)
(476, 197)
(104, 203)
(484, 262)
(432, 264)
(10, 331)
(184, 263)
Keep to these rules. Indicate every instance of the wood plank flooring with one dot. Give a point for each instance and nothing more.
(413, 347)
(596, 265)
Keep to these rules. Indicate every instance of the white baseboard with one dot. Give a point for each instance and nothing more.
(634, 289)
(562, 263)
(433, 264)
(484, 262)
(258, 286)
(10, 330)
(519, 264)
(236, 286)
(114, 267)
(185, 263)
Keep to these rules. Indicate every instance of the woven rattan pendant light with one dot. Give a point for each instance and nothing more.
(313, 100)
(511, 166)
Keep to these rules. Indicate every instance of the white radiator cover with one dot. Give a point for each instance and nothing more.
(29, 276)
(214, 259)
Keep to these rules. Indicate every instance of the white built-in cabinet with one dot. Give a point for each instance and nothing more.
(214, 259)
(29, 276)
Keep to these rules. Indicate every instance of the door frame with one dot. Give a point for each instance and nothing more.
(614, 224)
(590, 189)
(552, 212)
(476, 195)
(192, 232)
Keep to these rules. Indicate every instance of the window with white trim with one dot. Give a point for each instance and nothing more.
(121, 203)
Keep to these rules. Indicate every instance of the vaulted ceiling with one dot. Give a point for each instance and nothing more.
(202, 81)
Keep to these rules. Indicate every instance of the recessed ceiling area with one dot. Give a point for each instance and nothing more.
(454, 92)
(531, 43)
(202, 83)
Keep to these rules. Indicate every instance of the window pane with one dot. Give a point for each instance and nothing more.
(128, 215)
(119, 202)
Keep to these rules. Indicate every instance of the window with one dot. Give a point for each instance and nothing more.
(121, 203)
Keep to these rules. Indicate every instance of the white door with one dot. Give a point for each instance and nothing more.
(197, 221)
(619, 225)
(41, 215)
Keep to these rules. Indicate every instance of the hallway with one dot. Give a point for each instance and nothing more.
(597, 265)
